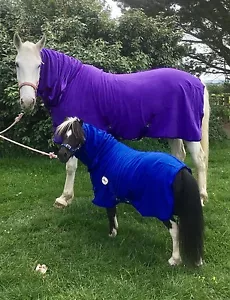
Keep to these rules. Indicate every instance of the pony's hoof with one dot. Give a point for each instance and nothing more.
(63, 201)
(116, 222)
(200, 263)
(113, 234)
(174, 261)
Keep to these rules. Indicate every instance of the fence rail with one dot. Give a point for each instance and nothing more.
(221, 102)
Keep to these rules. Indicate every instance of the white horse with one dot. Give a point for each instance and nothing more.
(28, 65)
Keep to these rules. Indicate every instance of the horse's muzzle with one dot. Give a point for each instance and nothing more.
(27, 105)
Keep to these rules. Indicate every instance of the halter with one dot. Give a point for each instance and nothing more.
(34, 86)
(72, 150)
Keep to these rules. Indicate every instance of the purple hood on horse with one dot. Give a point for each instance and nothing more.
(160, 103)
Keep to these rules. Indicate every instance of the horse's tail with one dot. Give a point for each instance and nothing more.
(205, 127)
(191, 222)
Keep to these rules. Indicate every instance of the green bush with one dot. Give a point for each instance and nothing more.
(219, 88)
(82, 29)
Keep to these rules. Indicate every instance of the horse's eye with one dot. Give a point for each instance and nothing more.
(17, 65)
(39, 66)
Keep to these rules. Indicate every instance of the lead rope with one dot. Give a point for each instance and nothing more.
(17, 119)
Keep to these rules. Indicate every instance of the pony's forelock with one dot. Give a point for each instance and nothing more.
(66, 125)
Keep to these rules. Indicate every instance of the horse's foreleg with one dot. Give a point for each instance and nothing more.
(177, 148)
(199, 159)
(68, 193)
(174, 232)
(113, 224)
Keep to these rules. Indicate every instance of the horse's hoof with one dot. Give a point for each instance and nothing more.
(113, 234)
(174, 261)
(59, 204)
(204, 199)
(63, 201)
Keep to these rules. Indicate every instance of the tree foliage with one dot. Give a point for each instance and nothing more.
(206, 20)
(83, 29)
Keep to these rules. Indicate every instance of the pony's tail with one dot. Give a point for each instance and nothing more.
(205, 127)
(191, 222)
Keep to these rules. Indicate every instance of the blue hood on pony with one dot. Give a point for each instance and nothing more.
(121, 174)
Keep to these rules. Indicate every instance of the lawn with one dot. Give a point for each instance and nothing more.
(83, 262)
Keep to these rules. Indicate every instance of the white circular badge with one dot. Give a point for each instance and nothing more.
(104, 180)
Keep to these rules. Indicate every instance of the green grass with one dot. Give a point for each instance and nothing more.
(83, 262)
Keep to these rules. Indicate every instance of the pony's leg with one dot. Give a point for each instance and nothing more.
(174, 232)
(177, 148)
(113, 224)
(68, 193)
(199, 159)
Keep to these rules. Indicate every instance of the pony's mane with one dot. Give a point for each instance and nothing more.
(66, 125)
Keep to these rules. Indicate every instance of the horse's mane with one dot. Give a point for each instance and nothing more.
(66, 125)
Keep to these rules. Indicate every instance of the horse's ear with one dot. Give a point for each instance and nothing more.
(78, 131)
(17, 41)
(40, 44)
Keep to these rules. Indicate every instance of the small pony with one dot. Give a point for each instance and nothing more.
(156, 184)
